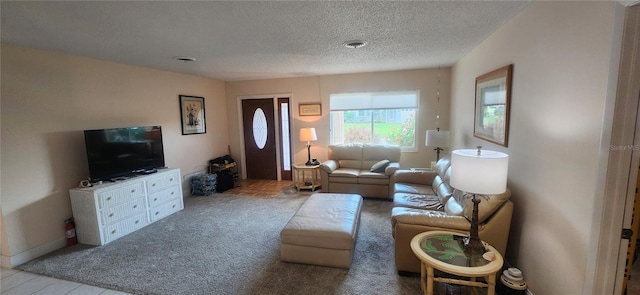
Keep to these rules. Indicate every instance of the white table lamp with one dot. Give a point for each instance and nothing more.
(439, 139)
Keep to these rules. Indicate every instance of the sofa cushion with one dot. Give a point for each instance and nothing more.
(367, 177)
(420, 189)
(452, 207)
(487, 206)
(380, 166)
(427, 202)
(442, 165)
(429, 218)
(345, 172)
(344, 175)
(442, 189)
(347, 155)
(374, 152)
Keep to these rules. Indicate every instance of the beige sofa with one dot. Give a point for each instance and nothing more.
(424, 201)
(348, 170)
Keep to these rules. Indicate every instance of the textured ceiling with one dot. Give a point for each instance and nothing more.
(240, 40)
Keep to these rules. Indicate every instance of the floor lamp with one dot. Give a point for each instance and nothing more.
(478, 173)
(308, 135)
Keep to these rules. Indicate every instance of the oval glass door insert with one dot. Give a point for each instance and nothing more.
(260, 128)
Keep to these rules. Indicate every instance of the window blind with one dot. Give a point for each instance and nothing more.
(373, 100)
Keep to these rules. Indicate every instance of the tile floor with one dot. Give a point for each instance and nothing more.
(16, 282)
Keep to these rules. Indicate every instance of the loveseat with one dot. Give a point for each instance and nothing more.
(424, 201)
(363, 169)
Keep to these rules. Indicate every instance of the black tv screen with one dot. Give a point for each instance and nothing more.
(118, 152)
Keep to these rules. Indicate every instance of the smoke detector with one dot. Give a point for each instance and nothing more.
(354, 44)
(184, 59)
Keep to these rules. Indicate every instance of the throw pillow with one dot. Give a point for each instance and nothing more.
(380, 166)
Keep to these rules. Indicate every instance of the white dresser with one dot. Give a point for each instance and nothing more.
(108, 211)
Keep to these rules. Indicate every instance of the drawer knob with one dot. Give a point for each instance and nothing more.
(137, 221)
(108, 198)
(133, 191)
(153, 184)
(111, 215)
(172, 193)
(113, 231)
(173, 206)
(155, 199)
(171, 179)
(157, 212)
(135, 206)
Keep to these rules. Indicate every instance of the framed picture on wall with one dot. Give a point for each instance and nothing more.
(493, 99)
(309, 109)
(192, 115)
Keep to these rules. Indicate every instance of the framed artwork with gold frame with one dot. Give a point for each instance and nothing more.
(492, 104)
(310, 109)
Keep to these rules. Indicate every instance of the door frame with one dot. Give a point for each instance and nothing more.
(274, 99)
(605, 268)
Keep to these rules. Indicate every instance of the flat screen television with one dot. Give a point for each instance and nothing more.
(120, 152)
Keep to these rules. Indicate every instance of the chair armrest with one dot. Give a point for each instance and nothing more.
(411, 176)
(329, 166)
(391, 168)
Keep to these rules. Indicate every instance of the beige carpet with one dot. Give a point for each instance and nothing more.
(229, 244)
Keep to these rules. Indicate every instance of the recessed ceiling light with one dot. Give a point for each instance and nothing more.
(354, 44)
(184, 58)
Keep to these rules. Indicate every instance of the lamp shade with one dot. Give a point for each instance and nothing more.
(437, 138)
(479, 171)
(308, 134)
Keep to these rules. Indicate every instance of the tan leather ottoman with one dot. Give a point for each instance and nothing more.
(323, 231)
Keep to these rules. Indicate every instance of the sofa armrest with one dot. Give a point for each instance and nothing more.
(329, 166)
(391, 168)
(411, 176)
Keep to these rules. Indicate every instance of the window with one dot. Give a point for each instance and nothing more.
(380, 118)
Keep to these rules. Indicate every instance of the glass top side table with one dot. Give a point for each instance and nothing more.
(444, 251)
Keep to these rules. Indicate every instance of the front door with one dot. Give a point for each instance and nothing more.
(259, 138)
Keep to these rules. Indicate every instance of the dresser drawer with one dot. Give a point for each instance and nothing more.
(121, 195)
(126, 226)
(162, 181)
(162, 211)
(163, 196)
(127, 209)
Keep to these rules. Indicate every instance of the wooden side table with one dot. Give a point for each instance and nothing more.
(300, 171)
(444, 251)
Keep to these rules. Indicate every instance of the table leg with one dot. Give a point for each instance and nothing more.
(429, 280)
(423, 278)
(491, 281)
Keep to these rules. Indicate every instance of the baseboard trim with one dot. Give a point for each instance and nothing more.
(33, 253)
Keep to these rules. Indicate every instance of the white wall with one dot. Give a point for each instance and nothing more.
(49, 98)
(562, 55)
(319, 88)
